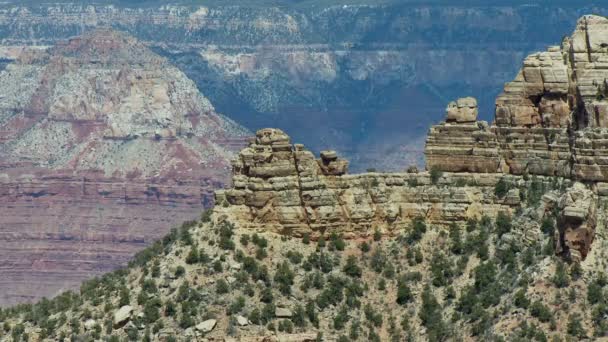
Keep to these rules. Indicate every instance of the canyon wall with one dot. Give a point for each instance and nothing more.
(57, 230)
(104, 147)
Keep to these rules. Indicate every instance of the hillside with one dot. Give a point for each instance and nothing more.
(492, 274)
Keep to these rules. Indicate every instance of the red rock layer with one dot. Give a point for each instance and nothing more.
(56, 231)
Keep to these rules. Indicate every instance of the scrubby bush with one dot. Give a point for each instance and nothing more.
(351, 268)
(221, 287)
(435, 175)
(503, 223)
(501, 188)
(284, 277)
(540, 311)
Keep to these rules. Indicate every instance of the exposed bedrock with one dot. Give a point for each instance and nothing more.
(552, 120)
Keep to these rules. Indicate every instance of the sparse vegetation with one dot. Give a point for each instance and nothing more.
(456, 280)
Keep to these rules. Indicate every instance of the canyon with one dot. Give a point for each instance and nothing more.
(366, 80)
(503, 236)
(550, 128)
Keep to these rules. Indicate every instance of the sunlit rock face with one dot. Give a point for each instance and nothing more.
(551, 120)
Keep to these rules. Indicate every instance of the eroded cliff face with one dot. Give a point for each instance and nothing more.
(364, 79)
(551, 120)
(550, 128)
(104, 147)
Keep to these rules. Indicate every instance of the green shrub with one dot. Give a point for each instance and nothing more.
(351, 268)
(284, 277)
(503, 224)
(501, 188)
(520, 300)
(404, 293)
(560, 279)
(377, 235)
(540, 311)
(418, 228)
(595, 293)
(435, 175)
(221, 287)
(575, 328)
(337, 242)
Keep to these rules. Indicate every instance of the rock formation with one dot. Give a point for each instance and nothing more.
(104, 146)
(549, 124)
(282, 187)
(577, 221)
(551, 120)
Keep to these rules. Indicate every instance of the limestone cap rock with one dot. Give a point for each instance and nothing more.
(463, 110)
(271, 136)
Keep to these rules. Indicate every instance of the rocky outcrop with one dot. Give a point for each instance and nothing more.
(462, 147)
(549, 121)
(543, 127)
(282, 187)
(577, 221)
(462, 110)
(122, 316)
(105, 146)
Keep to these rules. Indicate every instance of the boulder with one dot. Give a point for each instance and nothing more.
(282, 313)
(328, 156)
(271, 136)
(89, 324)
(463, 110)
(206, 326)
(242, 321)
(123, 315)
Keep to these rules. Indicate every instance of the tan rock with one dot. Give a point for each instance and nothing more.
(123, 315)
(462, 110)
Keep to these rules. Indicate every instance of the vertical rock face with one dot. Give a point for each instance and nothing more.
(550, 120)
(104, 147)
(577, 221)
(282, 187)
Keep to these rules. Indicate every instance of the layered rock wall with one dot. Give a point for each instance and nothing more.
(282, 187)
(552, 120)
(549, 124)
(56, 231)
(104, 147)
